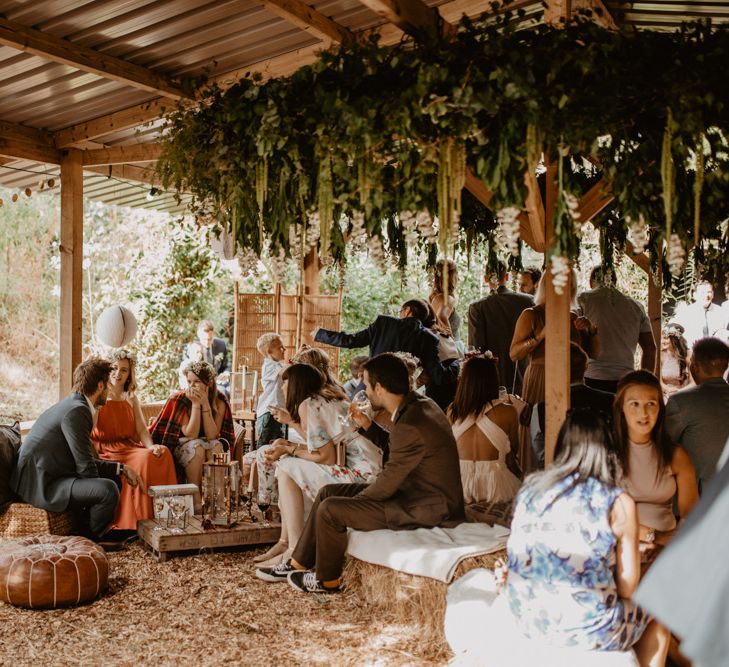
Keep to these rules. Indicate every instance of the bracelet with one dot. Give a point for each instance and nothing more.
(293, 451)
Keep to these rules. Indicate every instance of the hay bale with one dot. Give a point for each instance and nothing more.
(410, 600)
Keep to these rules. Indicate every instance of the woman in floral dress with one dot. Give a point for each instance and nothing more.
(319, 413)
(573, 557)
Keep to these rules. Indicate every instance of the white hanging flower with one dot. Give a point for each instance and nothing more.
(560, 268)
(277, 265)
(638, 233)
(313, 230)
(507, 235)
(426, 226)
(247, 261)
(409, 225)
(377, 251)
(676, 255)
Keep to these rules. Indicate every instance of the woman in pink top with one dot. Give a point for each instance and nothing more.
(655, 469)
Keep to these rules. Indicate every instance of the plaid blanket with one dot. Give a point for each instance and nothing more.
(167, 428)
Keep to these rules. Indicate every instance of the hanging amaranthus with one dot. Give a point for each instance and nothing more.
(667, 175)
(261, 191)
(698, 186)
(325, 201)
(451, 178)
(364, 182)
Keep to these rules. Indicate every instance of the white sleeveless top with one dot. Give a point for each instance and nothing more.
(487, 481)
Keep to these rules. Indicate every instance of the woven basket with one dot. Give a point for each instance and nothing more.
(20, 519)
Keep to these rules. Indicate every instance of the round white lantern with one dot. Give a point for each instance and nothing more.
(116, 326)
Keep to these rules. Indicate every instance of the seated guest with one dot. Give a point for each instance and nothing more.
(120, 434)
(486, 430)
(419, 485)
(319, 359)
(318, 414)
(446, 315)
(271, 347)
(655, 470)
(214, 352)
(573, 558)
(354, 384)
(674, 360)
(581, 396)
(696, 418)
(408, 333)
(194, 422)
(193, 353)
(56, 468)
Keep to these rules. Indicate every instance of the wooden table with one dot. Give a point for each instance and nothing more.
(163, 543)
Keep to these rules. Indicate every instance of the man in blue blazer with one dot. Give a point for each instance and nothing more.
(56, 468)
(214, 351)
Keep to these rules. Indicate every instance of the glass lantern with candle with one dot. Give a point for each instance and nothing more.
(221, 479)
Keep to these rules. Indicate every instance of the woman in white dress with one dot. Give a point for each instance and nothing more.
(316, 410)
(486, 430)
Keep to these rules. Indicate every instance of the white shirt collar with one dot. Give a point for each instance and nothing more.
(91, 406)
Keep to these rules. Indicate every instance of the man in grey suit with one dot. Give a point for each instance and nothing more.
(491, 323)
(56, 468)
(696, 418)
(419, 485)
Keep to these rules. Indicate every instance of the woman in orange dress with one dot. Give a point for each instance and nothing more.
(121, 435)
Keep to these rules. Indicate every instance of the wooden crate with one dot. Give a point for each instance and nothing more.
(163, 543)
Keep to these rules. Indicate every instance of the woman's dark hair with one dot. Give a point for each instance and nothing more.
(304, 381)
(584, 449)
(663, 444)
(421, 310)
(390, 371)
(439, 272)
(478, 385)
(206, 374)
(319, 359)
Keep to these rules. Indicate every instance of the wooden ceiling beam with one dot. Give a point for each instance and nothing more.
(148, 152)
(83, 58)
(29, 150)
(413, 17)
(595, 200)
(308, 19)
(559, 12)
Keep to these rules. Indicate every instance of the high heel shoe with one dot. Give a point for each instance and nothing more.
(276, 550)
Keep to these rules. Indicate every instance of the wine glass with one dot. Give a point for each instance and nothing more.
(263, 506)
(177, 507)
(158, 503)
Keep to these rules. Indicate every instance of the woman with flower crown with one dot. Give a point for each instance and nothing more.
(121, 435)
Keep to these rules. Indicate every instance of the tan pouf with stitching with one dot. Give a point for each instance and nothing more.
(47, 571)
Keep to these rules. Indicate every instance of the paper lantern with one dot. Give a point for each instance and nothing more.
(116, 326)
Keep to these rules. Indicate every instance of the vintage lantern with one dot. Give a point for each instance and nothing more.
(220, 490)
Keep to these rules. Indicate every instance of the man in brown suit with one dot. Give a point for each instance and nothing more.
(419, 485)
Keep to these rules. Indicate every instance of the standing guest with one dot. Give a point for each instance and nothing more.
(446, 316)
(573, 557)
(655, 470)
(408, 333)
(698, 418)
(194, 423)
(623, 326)
(529, 279)
(491, 324)
(271, 347)
(703, 317)
(304, 468)
(215, 353)
(56, 468)
(674, 360)
(419, 486)
(529, 341)
(354, 384)
(487, 435)
(121, 435)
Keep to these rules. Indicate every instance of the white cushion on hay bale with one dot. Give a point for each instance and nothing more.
(116, 326)
(480, 629)
(426, 552)
(48, 571)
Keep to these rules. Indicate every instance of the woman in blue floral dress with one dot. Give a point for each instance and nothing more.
(573, 560)
(317, 410)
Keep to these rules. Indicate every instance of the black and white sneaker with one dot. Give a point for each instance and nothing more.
(276, 573)
(305, 581)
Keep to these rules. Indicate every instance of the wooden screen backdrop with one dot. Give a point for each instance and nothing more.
(291, 315)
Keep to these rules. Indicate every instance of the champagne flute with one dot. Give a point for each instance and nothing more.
(263, 506)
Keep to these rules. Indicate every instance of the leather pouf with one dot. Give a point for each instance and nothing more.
(48, 571)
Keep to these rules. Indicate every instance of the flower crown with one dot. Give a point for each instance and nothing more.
(122, 353)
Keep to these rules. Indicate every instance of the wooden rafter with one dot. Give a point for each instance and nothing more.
(411, 16)
(29, 150)
(535, 212)
(308, 19)
(83, 58)
(148, 152)
(558, 12)
(596, 199)
(127, 172)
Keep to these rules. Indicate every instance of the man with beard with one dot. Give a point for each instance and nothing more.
(419, 485)
(56, 468)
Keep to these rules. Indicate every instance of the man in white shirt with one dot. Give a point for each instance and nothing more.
(622, 325)
(703, 317)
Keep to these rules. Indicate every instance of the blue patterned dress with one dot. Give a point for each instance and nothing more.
(562, 563)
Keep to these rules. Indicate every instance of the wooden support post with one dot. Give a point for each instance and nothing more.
(72, 236)
(557, 339)
(311, 273)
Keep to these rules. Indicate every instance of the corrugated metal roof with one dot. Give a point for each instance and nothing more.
(189, 38)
